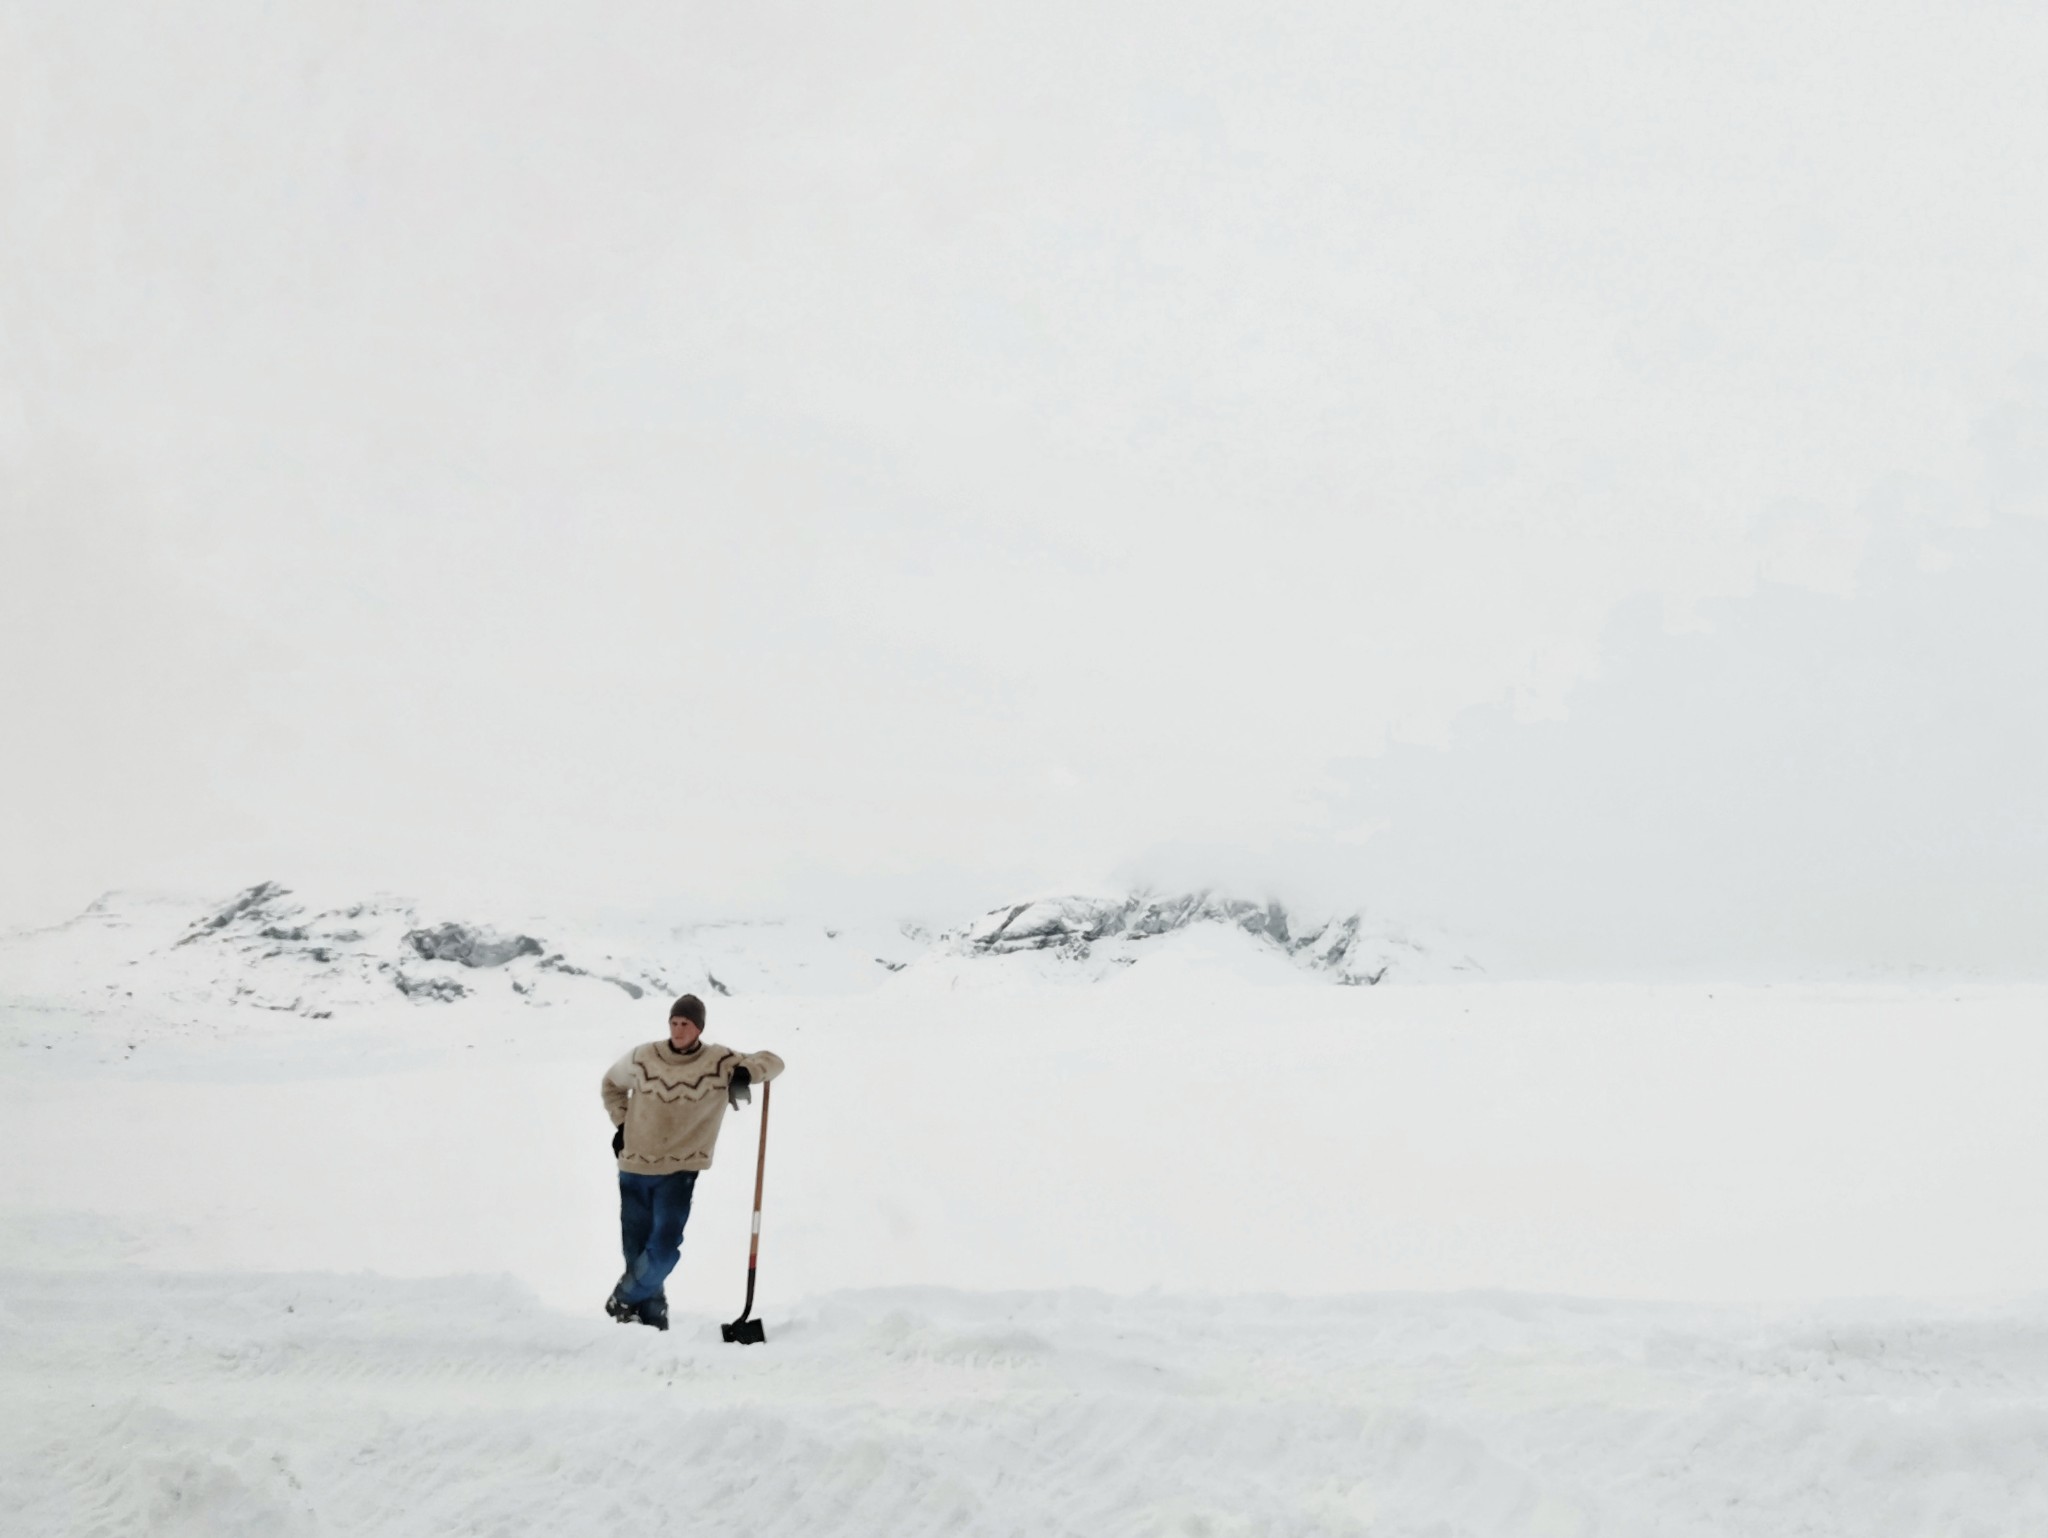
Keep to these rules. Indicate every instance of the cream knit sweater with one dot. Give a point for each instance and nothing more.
(671, 1103)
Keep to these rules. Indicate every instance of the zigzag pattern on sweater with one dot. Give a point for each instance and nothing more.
(652, 1083)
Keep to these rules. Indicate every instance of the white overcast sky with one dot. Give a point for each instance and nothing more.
(751, 455)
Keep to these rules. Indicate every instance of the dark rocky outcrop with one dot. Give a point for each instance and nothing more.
(1072, 928)
(471, 947)
(255, 901)
(438, 990)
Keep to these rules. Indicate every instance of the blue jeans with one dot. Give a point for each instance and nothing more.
(652, 1212)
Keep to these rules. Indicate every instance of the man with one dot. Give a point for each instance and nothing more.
(666, 1099)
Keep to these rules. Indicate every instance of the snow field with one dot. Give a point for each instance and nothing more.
(228, 1404)
(1613, 1142)
(1167, 1256)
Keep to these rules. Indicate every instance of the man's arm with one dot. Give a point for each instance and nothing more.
(617, 1089)
(745, 1069)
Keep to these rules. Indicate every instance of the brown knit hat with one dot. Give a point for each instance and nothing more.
(690, 1007)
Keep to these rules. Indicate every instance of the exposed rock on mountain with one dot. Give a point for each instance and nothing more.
(260, 900)
(471, 947)
(1112, 931)
(443, 990)
(268, 948)
(264, 946)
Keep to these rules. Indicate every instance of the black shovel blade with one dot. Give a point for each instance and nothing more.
(744, 1332)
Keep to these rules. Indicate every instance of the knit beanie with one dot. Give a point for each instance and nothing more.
(690, 1007)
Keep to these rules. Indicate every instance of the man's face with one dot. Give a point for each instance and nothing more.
(683, 1032)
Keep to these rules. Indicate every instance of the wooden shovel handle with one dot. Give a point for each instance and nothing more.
(760, 1177)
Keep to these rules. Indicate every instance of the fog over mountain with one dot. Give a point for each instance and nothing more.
(1798, 784)
(719, 460)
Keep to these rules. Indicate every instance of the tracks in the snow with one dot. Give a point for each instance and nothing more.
(147, 1402)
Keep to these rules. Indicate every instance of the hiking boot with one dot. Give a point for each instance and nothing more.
(653, 1311)
(619, 1309)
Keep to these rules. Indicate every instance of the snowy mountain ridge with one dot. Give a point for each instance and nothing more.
(269, 947)
(1111, 932)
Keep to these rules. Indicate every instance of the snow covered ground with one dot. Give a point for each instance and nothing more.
(1200, 1249)
(229, 1403)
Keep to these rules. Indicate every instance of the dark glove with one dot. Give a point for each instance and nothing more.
(739, 1088)
(619, 1138)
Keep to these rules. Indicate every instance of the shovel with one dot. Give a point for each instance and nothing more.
(744, 1331)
